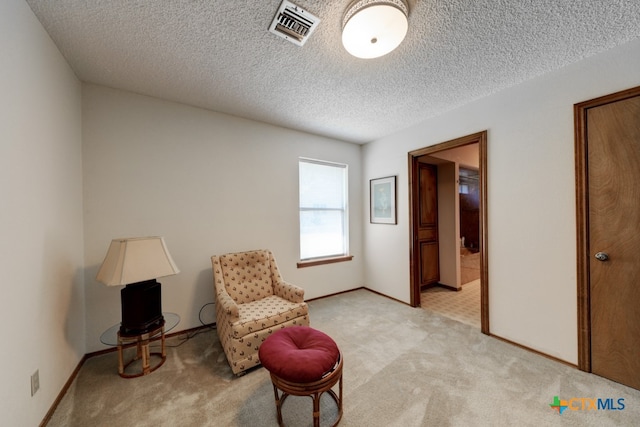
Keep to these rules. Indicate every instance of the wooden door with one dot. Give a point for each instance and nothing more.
(427, 227)
(612, 251)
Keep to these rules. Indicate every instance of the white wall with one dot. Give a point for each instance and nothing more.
(466, 156)
(449, 210)
(210, 184)
(449, 225)
(531, 199)
(42, 307)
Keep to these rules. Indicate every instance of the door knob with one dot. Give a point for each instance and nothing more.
(602, 256)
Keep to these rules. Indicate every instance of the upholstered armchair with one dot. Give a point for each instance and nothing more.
(252, 301)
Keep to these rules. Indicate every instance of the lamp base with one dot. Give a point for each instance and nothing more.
(141, 304)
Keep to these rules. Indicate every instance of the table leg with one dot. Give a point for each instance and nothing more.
(120, 359)
(143, 352)
(164, 353)
(145, 357)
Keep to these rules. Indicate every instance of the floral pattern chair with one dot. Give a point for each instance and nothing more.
(252, 301)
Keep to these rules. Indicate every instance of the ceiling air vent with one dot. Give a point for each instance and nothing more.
(293, 23)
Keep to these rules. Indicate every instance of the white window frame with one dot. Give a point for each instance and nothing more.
(309, 260)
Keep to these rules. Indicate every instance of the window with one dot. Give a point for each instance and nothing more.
(324, 228)
(468, 181)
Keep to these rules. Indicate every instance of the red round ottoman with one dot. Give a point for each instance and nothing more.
(303, 361)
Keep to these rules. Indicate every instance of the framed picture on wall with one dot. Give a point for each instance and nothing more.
(383, 200)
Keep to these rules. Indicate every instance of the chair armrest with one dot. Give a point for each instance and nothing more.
(228, 305)
(288, 291)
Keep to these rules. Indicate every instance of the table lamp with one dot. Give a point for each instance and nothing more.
(137, 263)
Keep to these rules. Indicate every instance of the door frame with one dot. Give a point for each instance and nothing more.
(582, 219)
(481, 139)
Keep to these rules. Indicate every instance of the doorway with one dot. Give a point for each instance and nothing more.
(607, 164)
(420, 260)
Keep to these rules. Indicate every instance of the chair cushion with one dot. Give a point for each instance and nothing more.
(266, 313)
(299, 354)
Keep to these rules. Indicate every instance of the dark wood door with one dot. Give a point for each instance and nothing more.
(613, 159)
(427, 227)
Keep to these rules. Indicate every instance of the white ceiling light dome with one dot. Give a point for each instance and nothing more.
(373, 28)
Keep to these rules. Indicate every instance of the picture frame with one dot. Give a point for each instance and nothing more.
(382, 200)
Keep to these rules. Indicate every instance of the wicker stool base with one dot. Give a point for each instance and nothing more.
(313, 389)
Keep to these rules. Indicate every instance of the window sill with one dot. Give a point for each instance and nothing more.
(311, 263)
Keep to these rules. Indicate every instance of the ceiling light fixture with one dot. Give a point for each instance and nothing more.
(373, 28)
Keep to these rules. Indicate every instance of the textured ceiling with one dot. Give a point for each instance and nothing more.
(219, 55)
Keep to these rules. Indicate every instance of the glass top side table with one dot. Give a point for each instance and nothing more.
(112, 337)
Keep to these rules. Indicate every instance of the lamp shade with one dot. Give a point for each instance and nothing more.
(373, 28)
(135, 260)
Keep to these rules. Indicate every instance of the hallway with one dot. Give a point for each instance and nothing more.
(463, 305)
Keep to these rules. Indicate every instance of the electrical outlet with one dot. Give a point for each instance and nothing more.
(35, 382)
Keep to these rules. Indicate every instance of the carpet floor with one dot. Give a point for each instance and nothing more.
(403, 367)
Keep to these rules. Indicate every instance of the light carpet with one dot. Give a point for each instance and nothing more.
(403, 367)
